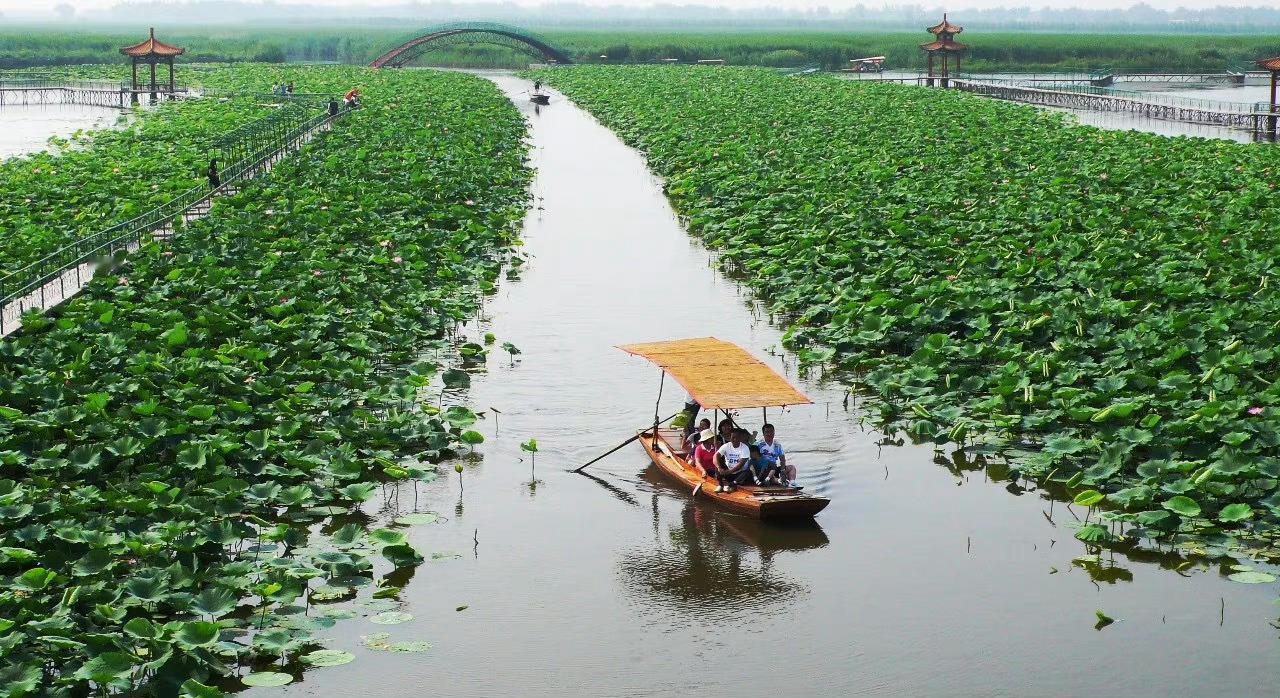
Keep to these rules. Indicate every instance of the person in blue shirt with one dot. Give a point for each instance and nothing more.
(775, 470)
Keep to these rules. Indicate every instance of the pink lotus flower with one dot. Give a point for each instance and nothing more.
(951, 277)
(122, 281)
(385, 243)
(469, 202)
(1255, 410)
(397, 260)
(317, 273)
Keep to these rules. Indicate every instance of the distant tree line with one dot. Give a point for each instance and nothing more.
(33, 47)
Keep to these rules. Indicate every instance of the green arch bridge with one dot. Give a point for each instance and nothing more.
(454, 33)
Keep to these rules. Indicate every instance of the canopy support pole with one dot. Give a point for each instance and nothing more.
(656, 406)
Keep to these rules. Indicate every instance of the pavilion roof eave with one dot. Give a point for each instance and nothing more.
(945, 27)
(954, 46)
(152, 47)
(1269, 63)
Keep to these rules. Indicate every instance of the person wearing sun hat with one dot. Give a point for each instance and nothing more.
(704, 455)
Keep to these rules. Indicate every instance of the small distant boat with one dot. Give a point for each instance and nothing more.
(722, 376)
(540, 98)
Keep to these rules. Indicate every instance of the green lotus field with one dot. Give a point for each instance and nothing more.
(170, 433)
(108, 176)
(1096, 305)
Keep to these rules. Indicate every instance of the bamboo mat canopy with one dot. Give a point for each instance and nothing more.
(718, 374)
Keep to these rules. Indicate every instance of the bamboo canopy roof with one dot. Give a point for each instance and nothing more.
(152, 47)
(1269, 63)
(945, 27)
(719, 374)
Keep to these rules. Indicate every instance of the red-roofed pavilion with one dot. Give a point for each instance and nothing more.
(1271, 65)
(152, 52)
(944, 46)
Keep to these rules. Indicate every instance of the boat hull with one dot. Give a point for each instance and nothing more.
(766, 503)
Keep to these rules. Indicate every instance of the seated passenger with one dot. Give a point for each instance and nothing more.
(731, 463)
(704, 455)
(725, 428)
(757, 465)
(694, 437)
(776, 471)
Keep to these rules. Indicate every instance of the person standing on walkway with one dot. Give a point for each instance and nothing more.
(215, 180)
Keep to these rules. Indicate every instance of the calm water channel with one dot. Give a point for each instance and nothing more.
(26, 129)
(923, 577)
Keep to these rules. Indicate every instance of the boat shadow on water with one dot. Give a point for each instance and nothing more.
(703, 552)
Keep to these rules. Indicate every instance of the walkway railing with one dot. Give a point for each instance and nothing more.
(242, 154)
(1149, 96)
(47, 80)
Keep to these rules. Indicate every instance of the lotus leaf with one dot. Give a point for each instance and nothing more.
(266, 679)
(328, 658)
(1183, 506)
(1252, 577)
(391, 618)
(1235, 512)
(417, 519)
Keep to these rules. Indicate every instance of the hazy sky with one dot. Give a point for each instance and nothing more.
(36, 6)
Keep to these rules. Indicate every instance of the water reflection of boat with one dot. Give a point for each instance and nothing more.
(708, 555)
(540, 98)
(722, 376)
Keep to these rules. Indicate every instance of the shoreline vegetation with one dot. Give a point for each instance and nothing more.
(185, 446)
(1094, 304)
(990, 51)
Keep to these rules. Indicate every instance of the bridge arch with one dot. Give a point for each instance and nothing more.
(453, 33)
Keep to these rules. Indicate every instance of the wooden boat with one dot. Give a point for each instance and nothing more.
(539, 98)
(722, 376)
(769, 503)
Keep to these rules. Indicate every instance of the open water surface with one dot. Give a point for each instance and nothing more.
(28, 128)
(923, 577)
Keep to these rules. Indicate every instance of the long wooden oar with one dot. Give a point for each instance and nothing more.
(611, 451)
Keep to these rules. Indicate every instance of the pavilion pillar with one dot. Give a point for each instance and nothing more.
(153, 79)
(1271, 111)
(172, 87)
(929, 81)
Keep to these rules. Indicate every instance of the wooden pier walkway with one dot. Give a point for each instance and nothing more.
(27, 89)
(1151, 105)
(67, 280)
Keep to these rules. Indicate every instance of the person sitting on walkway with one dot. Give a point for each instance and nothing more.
(731, 463)
(776, 470)
(704, 454)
